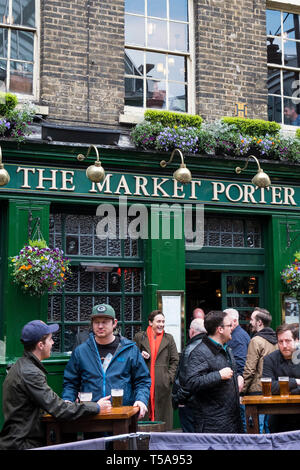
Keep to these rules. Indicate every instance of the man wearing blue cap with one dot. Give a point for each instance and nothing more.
(106, 361)
(26, 393)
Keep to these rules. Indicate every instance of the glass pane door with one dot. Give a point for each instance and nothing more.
(242, 291)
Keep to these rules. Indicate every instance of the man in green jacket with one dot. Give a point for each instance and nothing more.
(26, 394)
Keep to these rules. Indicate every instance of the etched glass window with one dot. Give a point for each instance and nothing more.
(99, 275)
(232, 232)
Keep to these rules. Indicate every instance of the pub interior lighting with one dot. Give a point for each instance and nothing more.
(4, 176)
(94, 172)
(261, 179)
(182, 174)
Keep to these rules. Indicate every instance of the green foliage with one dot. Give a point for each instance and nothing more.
(253, 127)
(144, 134)
(8, 102)
(171, 119)
(38, 243)
(298, 133)
(16, 123)
(290, 276)
(38, 270)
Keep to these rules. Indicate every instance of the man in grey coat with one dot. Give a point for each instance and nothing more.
(26, 394)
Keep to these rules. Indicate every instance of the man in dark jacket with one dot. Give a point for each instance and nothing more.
(181, 398)
(284, 362)
(106, 361)
(26, 393)
(212, 378)
(239, 344)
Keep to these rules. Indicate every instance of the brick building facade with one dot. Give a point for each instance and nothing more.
(82, 65)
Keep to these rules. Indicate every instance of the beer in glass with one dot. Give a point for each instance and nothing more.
(266, 384)
(117, 397)
(284, 386)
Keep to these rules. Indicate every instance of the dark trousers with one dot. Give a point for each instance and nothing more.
(187, 418)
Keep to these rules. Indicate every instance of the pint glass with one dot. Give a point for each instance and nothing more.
(284, 386)
(266, 384)
(117, 397)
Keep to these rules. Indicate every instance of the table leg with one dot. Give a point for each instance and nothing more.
(121, 427)
(53, 434)
(252, 419)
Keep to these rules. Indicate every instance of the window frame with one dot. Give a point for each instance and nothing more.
(36, 56)
(136, 113)
(283, 9)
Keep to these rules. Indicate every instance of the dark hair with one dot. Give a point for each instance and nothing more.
(213, 319)
(263, 315)
(153, 314)
(30, 346)
(293, 327)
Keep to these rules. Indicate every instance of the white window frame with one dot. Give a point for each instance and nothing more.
(36, 55)
(293, 8)
(133, 114)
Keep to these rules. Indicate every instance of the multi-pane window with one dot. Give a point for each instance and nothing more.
(283, 47)
(18, 43)
(232, 232)
(157, 54)
(103, 271)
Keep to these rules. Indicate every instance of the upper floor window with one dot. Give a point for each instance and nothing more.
(283, 46)
(18, 45)
(157, 54)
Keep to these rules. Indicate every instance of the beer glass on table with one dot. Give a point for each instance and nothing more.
(284, 386)
(117, 397)
(266, 384)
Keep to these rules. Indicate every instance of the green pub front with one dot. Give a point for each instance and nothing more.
(244, 238)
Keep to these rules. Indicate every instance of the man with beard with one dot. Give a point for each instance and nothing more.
(262, 343)
(284, 362)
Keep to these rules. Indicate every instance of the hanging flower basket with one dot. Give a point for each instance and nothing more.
(38, 269)
(290, 277)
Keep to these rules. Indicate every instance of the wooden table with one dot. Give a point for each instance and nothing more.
(119, 420)
(274, 405)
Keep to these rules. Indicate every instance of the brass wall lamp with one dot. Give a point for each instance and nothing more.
(94, 172)
(182, 174)
(261, 179)
(4, 176)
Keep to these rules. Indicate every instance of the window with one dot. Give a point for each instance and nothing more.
(157, 54)
(103, 271)
(283, 47)
(18, 45)
(232, 232)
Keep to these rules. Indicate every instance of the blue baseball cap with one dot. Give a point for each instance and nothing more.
(33, 331)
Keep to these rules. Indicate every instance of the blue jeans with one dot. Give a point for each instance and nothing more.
(263, 421)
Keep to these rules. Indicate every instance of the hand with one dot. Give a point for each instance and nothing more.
(105, 403)
(145, 355)
(143, 408)
(240, 382)
(226, 373)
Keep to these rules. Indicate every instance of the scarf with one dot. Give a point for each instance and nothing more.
(154, 347)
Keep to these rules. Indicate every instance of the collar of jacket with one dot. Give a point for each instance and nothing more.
(215, 347)
(146, 345)
(35, 360)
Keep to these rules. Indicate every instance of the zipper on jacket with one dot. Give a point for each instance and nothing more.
(101, 367)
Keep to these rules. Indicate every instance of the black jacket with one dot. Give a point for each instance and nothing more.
(181, 396)
(217, 401)
(26, 395)
(275, 365)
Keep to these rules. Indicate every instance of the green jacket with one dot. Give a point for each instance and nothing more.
(26, 396)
